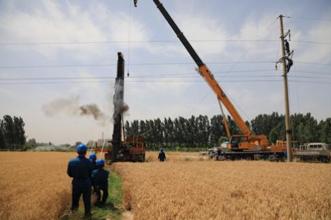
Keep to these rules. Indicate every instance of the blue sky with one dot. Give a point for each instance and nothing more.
(79, 40)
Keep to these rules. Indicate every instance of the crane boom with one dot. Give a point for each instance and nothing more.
(205, 73)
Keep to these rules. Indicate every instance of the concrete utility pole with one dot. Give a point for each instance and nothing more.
(118, 105)
(287, 107)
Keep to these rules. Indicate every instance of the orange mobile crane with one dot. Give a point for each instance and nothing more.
(245, 145)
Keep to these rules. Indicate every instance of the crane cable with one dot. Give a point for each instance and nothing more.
(129, 37)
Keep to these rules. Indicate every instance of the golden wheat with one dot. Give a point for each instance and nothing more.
(184, 189)
(33, 185)
(175, 156)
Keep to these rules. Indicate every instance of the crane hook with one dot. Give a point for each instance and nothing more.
(135, 3)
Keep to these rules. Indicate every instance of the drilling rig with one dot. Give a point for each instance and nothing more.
(123, 148)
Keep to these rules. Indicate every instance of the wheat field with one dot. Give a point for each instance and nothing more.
(187, 186)
(33, 185)
(182, 188)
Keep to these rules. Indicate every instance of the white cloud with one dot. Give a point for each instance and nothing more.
(124, 28)
(203, 27)
(51, 24)
(320, 53)
(259, 30)
(211, 40)
(69, 24)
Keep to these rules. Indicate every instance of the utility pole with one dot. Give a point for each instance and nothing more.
(286, 69)
(118, 105)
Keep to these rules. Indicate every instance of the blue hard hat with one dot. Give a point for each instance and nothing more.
(100, 163)
(81, 149)
(93, 156)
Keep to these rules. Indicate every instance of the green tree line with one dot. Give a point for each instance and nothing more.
(202, 131)
(12, 133)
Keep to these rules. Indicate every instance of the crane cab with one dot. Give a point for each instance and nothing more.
(248, 143)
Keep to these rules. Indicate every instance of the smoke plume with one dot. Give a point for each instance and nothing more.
(92, 109)
(120, 106)
(72, 107)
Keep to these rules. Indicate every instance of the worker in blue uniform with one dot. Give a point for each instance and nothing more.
(162, 157)
(80, 169)
(100, 182)
(93, 159)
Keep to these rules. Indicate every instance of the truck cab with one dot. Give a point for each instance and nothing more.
(314, 152)
(317, 146)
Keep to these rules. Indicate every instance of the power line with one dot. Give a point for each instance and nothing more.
(309, 19)
(82, 43)
(312, 63)
(126, 41)
(160, 74)
(167, 82)
(169, 76)
(194, 75)
(147, 64)
(132, 64)
(154, 74)
(144, 80)
(311, 42)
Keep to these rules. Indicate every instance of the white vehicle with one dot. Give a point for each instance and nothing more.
(313, 152)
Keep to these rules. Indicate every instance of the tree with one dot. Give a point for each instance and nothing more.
(158, 125)
(201, 132)
(263, 124)
(32, 142)
(2, 136)
(9, 131)
(217, 130)
(233, 126)
(19, 131)
(305, 128)
(12, 133)
(325, 131)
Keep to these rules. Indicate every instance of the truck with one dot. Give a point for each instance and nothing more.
(313, 152)
(131, 150)
(244, 145)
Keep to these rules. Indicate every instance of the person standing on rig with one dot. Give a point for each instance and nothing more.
(80, 169)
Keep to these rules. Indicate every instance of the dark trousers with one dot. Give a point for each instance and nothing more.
(79, 188)
(98, 190)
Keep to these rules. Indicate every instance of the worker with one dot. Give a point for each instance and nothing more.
(287, 47)
(289, 64)
(162, 157)
(80, 169)
(100, 182)
(93, 158)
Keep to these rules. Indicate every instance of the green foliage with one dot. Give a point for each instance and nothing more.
(325, 130)
(202, 132)
(263, 124)
(2, 136)
(12, 133)
(193, 132)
